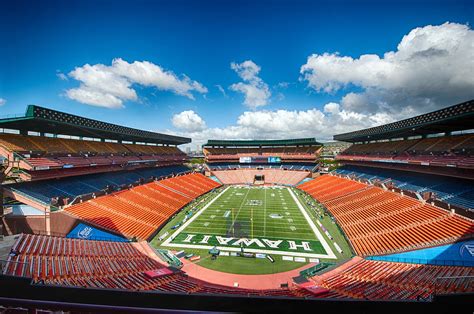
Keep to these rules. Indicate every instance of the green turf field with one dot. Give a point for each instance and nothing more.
(269, 220)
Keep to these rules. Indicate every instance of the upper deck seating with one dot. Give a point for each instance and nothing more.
(39, 153)
(455, 150)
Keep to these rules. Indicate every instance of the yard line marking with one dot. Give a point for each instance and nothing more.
(241, 205)
(302, 233)
(313, 227)
(265, 213)
(187, 223)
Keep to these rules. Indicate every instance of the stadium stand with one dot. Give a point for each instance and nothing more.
(294, 150)
(445, 151)
(94, 146)
(375, 280)
(285, 162)
(140, 211)
(455, 254)
(285, 166)
(377, 221)
(455, 191)
(115, 265)
(132, 182)
(439, 142)
(73, 187)
(271, 176)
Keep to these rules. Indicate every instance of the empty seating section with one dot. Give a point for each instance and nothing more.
(272, 176)
(75, 186)
(326, 188)
(113, 265)
(285, 166)
(303, 153)
(450, 190)
(376, 280)
(140, 211)
(57, 260)
(381, 222)
(456, 150)
(44, 153)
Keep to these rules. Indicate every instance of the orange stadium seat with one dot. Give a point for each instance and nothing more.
(381, 222)
(140, 211)
(375, 280)
(272, 176)
(112, 265)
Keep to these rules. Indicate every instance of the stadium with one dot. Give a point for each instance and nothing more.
(96, 215)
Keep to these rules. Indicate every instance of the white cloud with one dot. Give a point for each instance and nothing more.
(283, 85)
(255, 90)
(188, 121)
(281, 124)
(431, 68)
(110, 86)
(222, 90)
(61, 75)
(3, 101)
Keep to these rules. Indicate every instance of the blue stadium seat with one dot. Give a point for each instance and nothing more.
(75, 186)
(451, 190)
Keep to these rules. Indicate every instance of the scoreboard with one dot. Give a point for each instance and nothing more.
(260, 160)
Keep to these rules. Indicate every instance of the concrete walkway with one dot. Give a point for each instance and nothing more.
(259, 282)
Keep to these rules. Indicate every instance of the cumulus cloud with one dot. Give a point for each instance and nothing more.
(278, 124)
(431, 68)
(110, 86)
(188, 121)
(3, 101)
(256, 91)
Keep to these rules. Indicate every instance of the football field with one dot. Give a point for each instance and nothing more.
(267, 220)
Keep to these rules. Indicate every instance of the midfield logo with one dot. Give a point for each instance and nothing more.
(253, 242)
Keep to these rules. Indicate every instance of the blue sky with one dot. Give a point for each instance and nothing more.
(43, 41)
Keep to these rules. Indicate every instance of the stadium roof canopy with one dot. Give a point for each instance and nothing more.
(44, 120)
(290, 142)
(455, 118)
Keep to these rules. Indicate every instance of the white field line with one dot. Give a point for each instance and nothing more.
(226, 248)
(178, 231)
(313, 226)
(241, 205)
(265, 213)
(330, 254)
